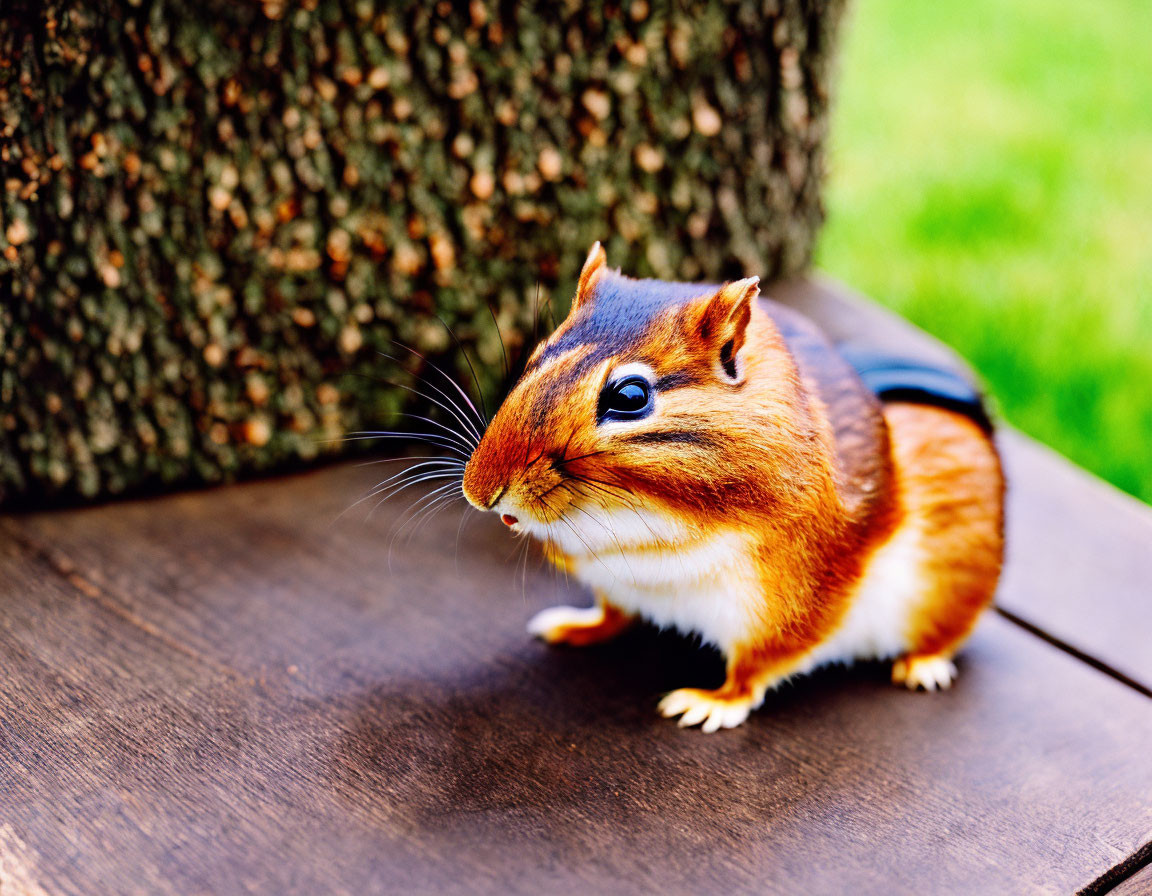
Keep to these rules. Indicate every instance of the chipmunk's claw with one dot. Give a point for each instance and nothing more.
(930, 673)
(705, 708)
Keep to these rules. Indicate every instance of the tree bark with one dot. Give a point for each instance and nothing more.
(216, 215)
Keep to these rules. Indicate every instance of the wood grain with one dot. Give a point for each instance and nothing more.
(232, 691)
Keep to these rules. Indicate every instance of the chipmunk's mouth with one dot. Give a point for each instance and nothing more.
(519, 516)
(510, 515)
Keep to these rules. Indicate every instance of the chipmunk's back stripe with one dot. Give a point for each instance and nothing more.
(895, 378)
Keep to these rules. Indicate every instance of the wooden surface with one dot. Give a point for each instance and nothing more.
(1139, 884)
(233, 691)
(1085, 578)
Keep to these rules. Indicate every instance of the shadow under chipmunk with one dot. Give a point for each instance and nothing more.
(540, 739)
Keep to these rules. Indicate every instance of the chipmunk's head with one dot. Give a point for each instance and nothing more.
(642, 397)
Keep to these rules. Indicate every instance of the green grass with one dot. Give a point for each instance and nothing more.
(991, 180)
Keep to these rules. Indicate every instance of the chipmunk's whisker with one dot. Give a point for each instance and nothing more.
(540, 497)
(408, 516)
(464, 517)
(431, 511)
(612, 535)
(536, 314)
(429, 438)
(386, 491)
(451, 408)
(549, 541)
(413, 508)
(404, 516)
(406, 458)
(421, 507)
(458, 436)
(587, 546)
(500, 336)
(449, 435)
(547, 308)
(629, 503)
(544, 508)
(529, 464)
(432, 464)
(439, 468)
(604, 482)
(482, 419)
(524, 570)
(606, 488)
(564, 461)
(475, 379)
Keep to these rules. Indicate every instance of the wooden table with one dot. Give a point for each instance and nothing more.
(234, 691)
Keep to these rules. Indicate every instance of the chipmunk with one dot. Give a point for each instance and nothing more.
(709, 462)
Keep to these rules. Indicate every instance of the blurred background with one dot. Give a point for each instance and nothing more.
(990, 179)
(215, 218)
(222, 223)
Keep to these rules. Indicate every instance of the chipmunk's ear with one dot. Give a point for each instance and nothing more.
(723, 323)
(589, 274)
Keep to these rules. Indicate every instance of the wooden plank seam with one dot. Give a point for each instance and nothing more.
(1098, 665)
(1113, 877)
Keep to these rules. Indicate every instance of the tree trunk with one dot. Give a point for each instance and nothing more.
(216, 215)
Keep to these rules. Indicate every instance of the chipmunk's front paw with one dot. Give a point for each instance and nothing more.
(708, 709)
(579, 626)
(928, 672)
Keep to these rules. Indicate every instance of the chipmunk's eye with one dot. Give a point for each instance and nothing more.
(628, 398)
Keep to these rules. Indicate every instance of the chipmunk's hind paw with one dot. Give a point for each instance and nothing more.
(931, 673)
(707, 709)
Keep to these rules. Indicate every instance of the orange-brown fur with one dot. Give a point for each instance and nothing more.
(792, 458)
(949, 475)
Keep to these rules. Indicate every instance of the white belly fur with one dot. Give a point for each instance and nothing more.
(709, 586)
(876, 625)
(699, 585)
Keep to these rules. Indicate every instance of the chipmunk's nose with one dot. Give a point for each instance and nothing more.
(481, 488)
(493, 467)
(508, 520)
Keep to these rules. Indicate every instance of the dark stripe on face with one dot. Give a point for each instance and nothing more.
(552, 394)
(676, 381)
(672, 436)
(621, 313)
